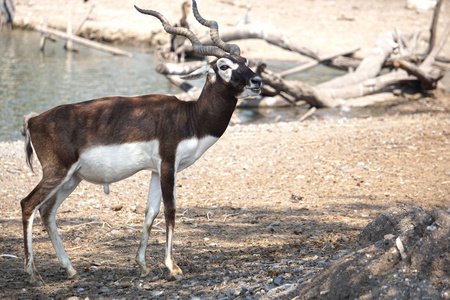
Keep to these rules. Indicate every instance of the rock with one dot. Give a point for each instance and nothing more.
(273, 225)
(104, 290)
(156, 293)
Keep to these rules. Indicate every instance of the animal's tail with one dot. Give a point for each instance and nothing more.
(26, 133)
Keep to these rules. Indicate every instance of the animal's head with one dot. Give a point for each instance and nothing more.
(230, 69)
(232, 72)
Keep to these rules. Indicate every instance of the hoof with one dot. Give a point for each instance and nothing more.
(175, 277)
(37, 283)
(144, 272)
(73, 275)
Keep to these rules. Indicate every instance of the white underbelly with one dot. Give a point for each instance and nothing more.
(107, 164)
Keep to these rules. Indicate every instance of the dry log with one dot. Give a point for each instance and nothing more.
(433, 28)
(299, 90)
(69, 44)
(78, 31)
(180, 68)
(367, 87)
(351, 89)
(427, 72)
(180, 83)
(271, 36)
(343, 63)
(332, 97)
(370, 100)
(191, 93)
(429, 79)
(276, 101)
(82, 41)
(308, 114)
(277, 38)
(312, 64)
(370, 66)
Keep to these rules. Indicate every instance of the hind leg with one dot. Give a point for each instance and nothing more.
(29, 208)
(45, 190)
(48, 212)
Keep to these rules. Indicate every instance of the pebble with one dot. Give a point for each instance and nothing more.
(273, 224)
(277, 281)
(104, 290)
(431, 228)
(156, 293)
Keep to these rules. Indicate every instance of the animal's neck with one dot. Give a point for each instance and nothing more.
(215, 108)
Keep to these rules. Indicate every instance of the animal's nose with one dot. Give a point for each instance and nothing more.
(256, 81)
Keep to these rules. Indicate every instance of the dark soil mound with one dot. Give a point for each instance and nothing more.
(403, 254)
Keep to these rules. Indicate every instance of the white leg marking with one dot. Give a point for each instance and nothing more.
(168, 259)
(48, 210)
(29, 264)
(151, 211)
(175, 271)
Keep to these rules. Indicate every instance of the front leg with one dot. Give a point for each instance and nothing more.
(151, 211)
(168, 173)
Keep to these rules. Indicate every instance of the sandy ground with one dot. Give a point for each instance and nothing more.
(269, 205)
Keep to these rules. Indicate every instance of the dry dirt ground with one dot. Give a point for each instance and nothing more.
(268, 207)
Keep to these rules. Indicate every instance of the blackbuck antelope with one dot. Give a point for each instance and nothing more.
(109, 139)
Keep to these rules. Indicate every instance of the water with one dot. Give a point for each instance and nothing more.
(34, 81)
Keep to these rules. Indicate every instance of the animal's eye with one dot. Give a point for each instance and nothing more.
(224, 67)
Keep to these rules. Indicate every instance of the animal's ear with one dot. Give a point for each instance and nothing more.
(199, 73)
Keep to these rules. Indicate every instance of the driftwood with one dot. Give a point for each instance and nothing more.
(180, 68)
(370, 66)
(52, 34)
(69, 45)
(428, 80)
(267, 34)
(82, 41)
(332, 97)
(351, 89)
(433, 28)
(312, 64)
(277, 38)
(362, 87)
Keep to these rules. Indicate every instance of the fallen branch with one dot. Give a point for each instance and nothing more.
(82, 41)
(308, 114)
(312, 64)
(433, 28)
(269, 35)
(370, 66)
(332, 97)
(429, 80)
(179, 69)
